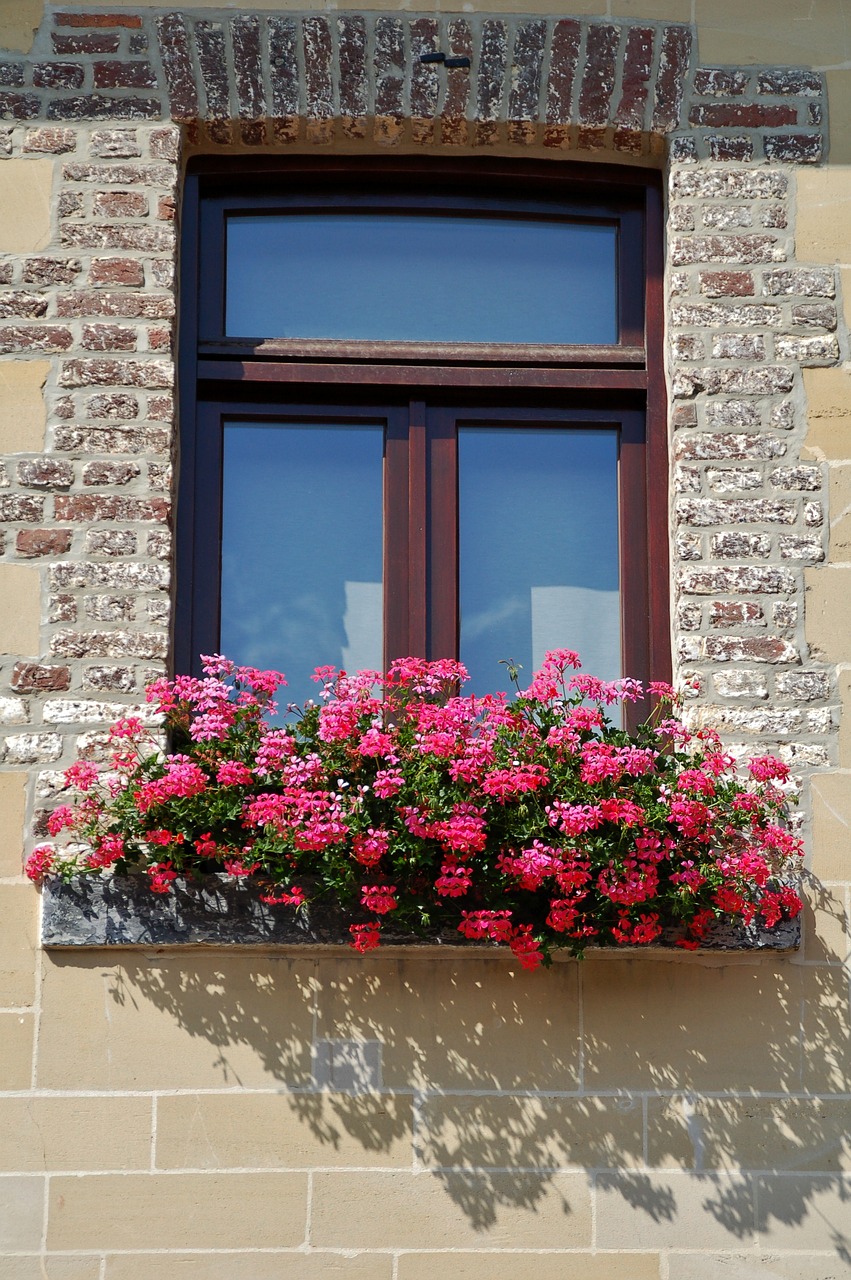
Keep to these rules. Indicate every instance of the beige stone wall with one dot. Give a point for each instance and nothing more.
(206, 1115)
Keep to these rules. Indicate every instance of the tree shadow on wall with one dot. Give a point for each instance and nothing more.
(682, 1076)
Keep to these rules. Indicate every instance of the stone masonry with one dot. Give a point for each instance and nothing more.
(115, 101)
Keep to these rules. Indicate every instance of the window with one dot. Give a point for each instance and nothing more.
(420, 415)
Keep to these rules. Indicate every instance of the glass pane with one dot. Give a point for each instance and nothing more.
(415, 277)
(538, 538)
(302, 548)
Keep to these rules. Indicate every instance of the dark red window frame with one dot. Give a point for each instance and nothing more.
(422, 389)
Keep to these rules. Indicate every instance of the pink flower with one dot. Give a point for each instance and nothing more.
(379, 898)
(162, 874)
(108, 851)
(365, 937)
(526, 947)
(232, 773)
(454, 880)
(62, 816)
(766, 768)
(40, 862)
(82, 775)
(369, 847)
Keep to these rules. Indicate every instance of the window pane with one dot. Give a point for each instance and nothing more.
(302, 548)
(538, 539)
(414, 277)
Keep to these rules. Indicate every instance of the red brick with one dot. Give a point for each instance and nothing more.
(24, 305)
(149, 306)
(670, 80)
(735, 613)
(19, 106)
(45, 473)
(353, 82)
(454, 128)
(120, 204)
(50, 270)
(108, 337)
(36, 337)
(177, 64)
(43, 542)
(55, 141)
(155, 374)
(31, 677)
(97, 20)
(726, 284)
(527, 58)
(95, 106)
(493, 52)
(792, 81)
(126, 271)
(88, 42)
(115, 473)
(636, 76)
(717, 83)
(598, 80)
(166, 208)
(738, 115)
(119, 236)
(793, 148)
(58, 75)
(730, 148)
(750, 649)
(316, 35)
(91, 507)
(114, 74)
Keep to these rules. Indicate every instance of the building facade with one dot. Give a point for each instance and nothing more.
(312, 1113)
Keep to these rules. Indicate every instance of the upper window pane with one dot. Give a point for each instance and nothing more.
(416, 277)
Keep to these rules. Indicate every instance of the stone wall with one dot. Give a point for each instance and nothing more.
(195, 1113)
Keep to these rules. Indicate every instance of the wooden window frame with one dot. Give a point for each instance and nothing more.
(619, 385)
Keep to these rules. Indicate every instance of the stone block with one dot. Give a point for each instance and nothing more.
(750, 1266)
(12, 810)
(199, 1020)
(531, 1133)
(828, 394)
(176, 1211)
(674, 1210)
(22, 408)
(44, 1267)
(21, 1214)
(21, 617)
(18, 930)
(804, 1212)
(19, 23)
(16, 1049)
(43, 1134)
(410, 1211)
(281, 1131)
(783, 33)
(540, 1266)
(824, 214)
(249, 1266)
(831, 800)
(25, 203)
(828, 612)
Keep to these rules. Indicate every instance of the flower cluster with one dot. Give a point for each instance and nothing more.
(533, 821)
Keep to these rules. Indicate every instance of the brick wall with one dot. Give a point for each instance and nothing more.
(201, 1113)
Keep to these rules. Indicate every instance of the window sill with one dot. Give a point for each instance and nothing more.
(121, 911)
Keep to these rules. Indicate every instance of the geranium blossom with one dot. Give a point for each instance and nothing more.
(533, 822)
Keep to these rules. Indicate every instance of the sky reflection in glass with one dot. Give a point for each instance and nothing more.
(414, 277)
(302, 549)
(538, 535)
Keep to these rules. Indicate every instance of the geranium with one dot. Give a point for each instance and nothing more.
(534, 822)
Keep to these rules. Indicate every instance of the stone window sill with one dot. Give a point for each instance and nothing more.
(121, 911)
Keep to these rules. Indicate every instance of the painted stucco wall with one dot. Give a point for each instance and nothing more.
(202, 1114)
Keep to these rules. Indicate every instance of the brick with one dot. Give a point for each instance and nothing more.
(716, 315)
(97, 20)
(70, 204)
(114, 406)
(43, 542)
(424, 37)
(99, 236)
(728, 445)
(210, 43)
(318, 79)
(724, 217)
(52, 141)
(34, 677)
(738, 346)
(637, 70)
(24, 510)
(248, 67)
(793, 148)
(58, 75)
(126, 271)
(110, 440)
(107, 644)
(801, 548)
(130, 576)
(527, 62)
(564, 56)
(799, 477)
(812, 282)
(735, 613)
(101, 507)
(126, 175)
(809, 351)
(62, 608)
(31, 748)
(726, 284)
(120, 204)
(732, 479)
(702, 512)
(12, 73)
(45, 473)
(174, 46)
(119, 679)
(114, 144)
(740, 684)
(733, 413)
(670, 78)
(715, 184)
(111, 542)
(19, 106)
(793, 80)
(283, 74)
(682, 217)
(23, 305)
(769, 649)
(114, 473)
(108, 337)
(754, 248)
(50, 270)
(774, 215)
(727, 146)
(122, 373)
(740, 115)
(353, 87)
(686, 346)
(490, 84)
(814, 315)
(94, 106)
(88, 42)
(736, 579)
(712, 82)
(456, 101)
(113, 74)
(36, 337)
(598, 78)
(164, 144)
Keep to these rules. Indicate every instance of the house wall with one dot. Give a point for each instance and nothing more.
(197, 1113)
